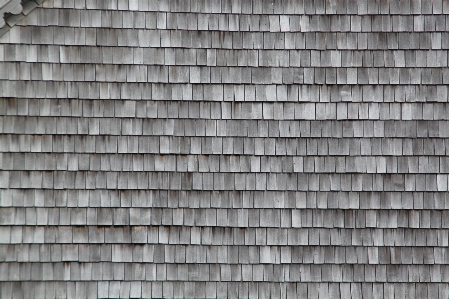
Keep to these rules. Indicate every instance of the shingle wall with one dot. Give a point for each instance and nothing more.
(225, 149)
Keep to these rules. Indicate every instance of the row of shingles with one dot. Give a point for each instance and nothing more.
(224, 272)
(226, 159)
(169, 289)
(214, 92)
(82, 112)
(199, 110)
(208, 63)
(395, 220)
(216, 110)
(226, 75)
(227, 92)
(214, 58)
(328, 233)
(210, 118)
(361, 7)
(207, 236)
(300, 60)
(163, 60)
(69, 36)
(232, 76)
(370, 219)
(63, 289)
(142, 149)
(224, 151)
(224, 254)
(236, 22)
(123, 289)
(396, 136)
(229, 163)
(144, 129)
(246, 256)
(223, 181)
(212, 217)
(342, 200)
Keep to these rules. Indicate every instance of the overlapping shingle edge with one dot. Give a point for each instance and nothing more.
(12, 19)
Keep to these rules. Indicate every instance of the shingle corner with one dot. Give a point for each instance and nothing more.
(12, 11)
(9, 6)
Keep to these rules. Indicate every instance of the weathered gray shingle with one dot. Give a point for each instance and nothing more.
(109, 130)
